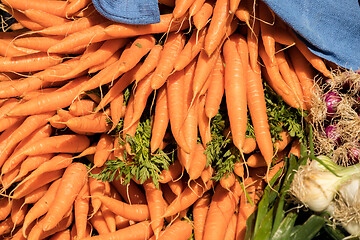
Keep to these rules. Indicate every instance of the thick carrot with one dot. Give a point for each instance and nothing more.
(181, 7)
(23, 20)
(103, 149)
(35, 195)
(271, 173)
(81, 210)
(41, 43)
(204, 122)
(99, 224)
(266, 28)
(172, 48)
(191, 49)
(75, 6)
(155, 200)
(295, 148)
(18, 211)
(50, 101)
(137, 231)
(198, 163)
(167, 24)
(250, 145)
(61, 235)
(150, 62)
(200, 210)
(231, 228)
(179, 230)
(195, 7)
(235, 92)
(161, 119)
(43, 18)
(172, 174)
(29, 62)
(284, 140)
(89, 124)
(8, 178)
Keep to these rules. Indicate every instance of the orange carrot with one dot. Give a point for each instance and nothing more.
(34, 196)
(75, 6)
(231, 228)
(29, 62)
(215, 91)
(82, 107)
(228, 180)
(155, 200)
(191, 50)
(173, 46)
(181, 7)
(195, 7)
(18, 211)
(284, 140)
(202, 17)
(150, 62)
(167, 24)
(250, 145)
(53, 7)
(235, 92)
(140, 230)
(115, 57)
(271, 173)
(81, 210)
(117, 110)
(172, 174)
(50, 101)
(295, 148)
(204, 122)
(43, 18)
(89, 124)
(267, 17)
(179, 230)
(198, 164)
(239, 169)
(200, 210)
(103, 149)
(71, 183)
(5, 206)
(24, 20)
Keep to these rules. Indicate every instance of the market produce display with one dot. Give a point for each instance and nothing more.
(195, 127)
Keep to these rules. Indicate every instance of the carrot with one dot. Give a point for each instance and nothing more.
(177, 186)
(235, 92)
(239, 169)
(200, 210)
(217, 28)
(62, 116)
(181, 7)
(54, 7)
(107, 49)
(109, 218)
(284, 140)
(17, 157)
(75, 6)
(222, 207)
(6, 226)
(295, 148)
(198, 163)
(117, 110)
(167, 24)
(314, 60)
(8, 178)
(82, 107)
(23, 20)
(96, 188)
(29, 62)
(155, 200)
(250, 145)
(179, 230)
(304, 72)
(191, 193)
(234, 4)
(103, 149)
(253, 31)
(62, 235)
(33, 184)
(34, 196)
(72, 181)
(5, 206)
(8, 49)
(81, 210)
(43, 18)
(206, 176)
(172, 47)
(131, 192)
(173, 173)
(191, 49)
(257, 160)
(215, 91)
(51, 101)
(195, 7)
(271, 173)
(231, 228)
(40, 207)
(18, 211)
(266, 28)
(150, 62)
(92, 34)
(228, 180)
(204, 122)
(161, 119)
(175, 97)
(135, 212)
(98, 222)
(202, 17)
(26, 96)
(115, 57)
(124, 81)
(137, 231)
(31, 163)
(29, 125)
(77, 25)
(60, 161)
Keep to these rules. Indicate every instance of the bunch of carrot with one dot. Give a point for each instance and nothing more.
(74, 87)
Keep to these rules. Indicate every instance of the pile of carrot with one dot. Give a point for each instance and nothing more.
(74, 85)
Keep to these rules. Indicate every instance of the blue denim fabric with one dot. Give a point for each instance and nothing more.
(330, 28)
(129, 11)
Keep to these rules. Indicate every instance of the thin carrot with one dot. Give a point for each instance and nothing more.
(295, 148)
(61, 235)
(23, 20)
(253, 34)
(5, 206)
(150, 62)
(89, 124)
(250, 145)
(173, 173)
(172, 48)
(6, 226)
(82, 107)
(284, 140)
(115, 57)
(81, 210)
(167, 24)
(29, 62)
(34, 196)
(117, 110)
(43, 18)
(57, 7)
(231, 228)
(202, 17)
(75, 6)
(195, 7)
(50, 101)
(18, 211)
(271, 173)
(140, 230)
(8, 178)
(204, 122)
(234, 4)
(181, 7)
(177, 186)
(239, 169)
(267, 20)
(198, 164)
(96, 188)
